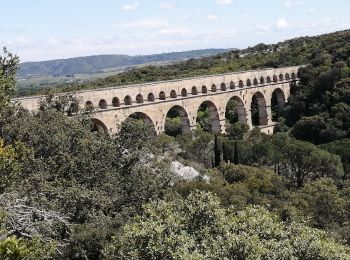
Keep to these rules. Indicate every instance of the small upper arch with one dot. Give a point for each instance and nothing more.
(223, 87)
(184, 92)
(280, 77)
(173, 94)
(204, 90)
(286, 76)
(150, 97)
(213, 88)
(139, 98)
(194, 90)
(115, 102)
(268, 79)
(262, 80)
(249, 83)
(240, 83)
(255, 82)
(232, 85)
(102, 104)
(162, 95)
(275, 78)
(128, 100)
(89, 104)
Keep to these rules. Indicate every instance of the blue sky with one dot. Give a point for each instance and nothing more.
(50, 29)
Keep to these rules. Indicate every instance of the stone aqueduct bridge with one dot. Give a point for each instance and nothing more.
(152, 101)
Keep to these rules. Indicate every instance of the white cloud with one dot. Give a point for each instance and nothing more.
(293, 3)
(130, 7)
(212, 17)
(144, 24)
(281, 23)
(261, 28)
(224, 2)
(166, 5)
(175, 31)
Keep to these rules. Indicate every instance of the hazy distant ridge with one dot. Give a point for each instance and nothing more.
(91, 64)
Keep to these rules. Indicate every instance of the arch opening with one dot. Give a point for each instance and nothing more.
(194, 90)
(213, 88)
(115, 102)
(208, 117)
(144, 119)
(262, 80)
(286, 76)
(249, 83)
(176, 121)
(223, 87)
(102, 104)
(204, 90)
(235, 111)
(98, 126)
(240, 84)
(258, 110)
(277, 103)
(162, 95)
(139, 99)
(89, 105)
(173, 94)
(232, 85)
(255, 82)
(184, 92)
(128, 100)
(150, 97)
(275, 78)
(268, 79)
(280, 77)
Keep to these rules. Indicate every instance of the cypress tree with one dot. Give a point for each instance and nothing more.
(225, 152)
(217, 153)
(235, 156)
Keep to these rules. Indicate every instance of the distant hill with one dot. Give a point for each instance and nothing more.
(99, 63)
(297, 51)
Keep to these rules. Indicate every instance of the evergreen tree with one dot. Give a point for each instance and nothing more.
(217, 152)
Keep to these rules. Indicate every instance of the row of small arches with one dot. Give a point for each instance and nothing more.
(116, 102)
(213, 109)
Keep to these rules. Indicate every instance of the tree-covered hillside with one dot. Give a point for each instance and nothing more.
(91, 64)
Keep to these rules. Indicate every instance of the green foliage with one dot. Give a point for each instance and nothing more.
(296, 160)
(13, 248)
(173, 126)
(341, 148)
(165, 141)
(237, 130)
(199, 228)
(203, 119)
(8, 69)
(86, 176)
(255, 179)
(199, 146)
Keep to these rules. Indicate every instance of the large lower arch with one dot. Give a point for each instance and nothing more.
(277, 103)
(98, 126)
(235, 111)
(259, 110)
(177, 121)
(144, 117)
(208, 110)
